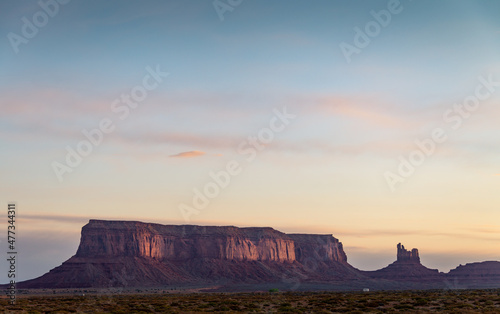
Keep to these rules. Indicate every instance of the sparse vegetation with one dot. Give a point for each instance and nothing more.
(451, 301)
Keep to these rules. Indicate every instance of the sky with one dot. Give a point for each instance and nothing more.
(374, 121)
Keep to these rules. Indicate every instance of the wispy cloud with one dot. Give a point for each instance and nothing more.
(191, 154)
(370, 111)
(58, 218)
(480, 234)
(82, 220)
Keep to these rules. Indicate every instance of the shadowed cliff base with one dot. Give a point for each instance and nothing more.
(129, 254)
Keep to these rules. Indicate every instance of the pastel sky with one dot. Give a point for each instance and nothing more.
(356, 116)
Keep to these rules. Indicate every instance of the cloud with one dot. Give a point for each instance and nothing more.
(374, 112)
(36, 223)
(60, 116)
(194, 153)
(479, 234)
(58, 218)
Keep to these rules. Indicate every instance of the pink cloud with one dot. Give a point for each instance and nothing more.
(50, 103)
(194, 153)
(372, 112)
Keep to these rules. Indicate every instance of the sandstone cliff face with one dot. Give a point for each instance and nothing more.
(186, 242)
(318, 247)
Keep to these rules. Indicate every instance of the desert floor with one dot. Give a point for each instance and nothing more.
(161, 301)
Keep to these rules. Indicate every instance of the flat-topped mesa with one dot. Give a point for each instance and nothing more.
(186, 242)
(407, 256)
(183, 242)
(137, 254)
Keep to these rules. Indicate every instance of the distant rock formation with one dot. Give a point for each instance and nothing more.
(320, 248)
(475, 275)
(136, 254)
(407, 256)
(185, 242)
(407, 267)
(130, 253)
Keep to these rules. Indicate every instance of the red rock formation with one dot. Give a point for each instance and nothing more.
(407, 267)
(136, 254)
(404, 255)
(128, 253)
(475, 275)
(184, 242)
(318, 247)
